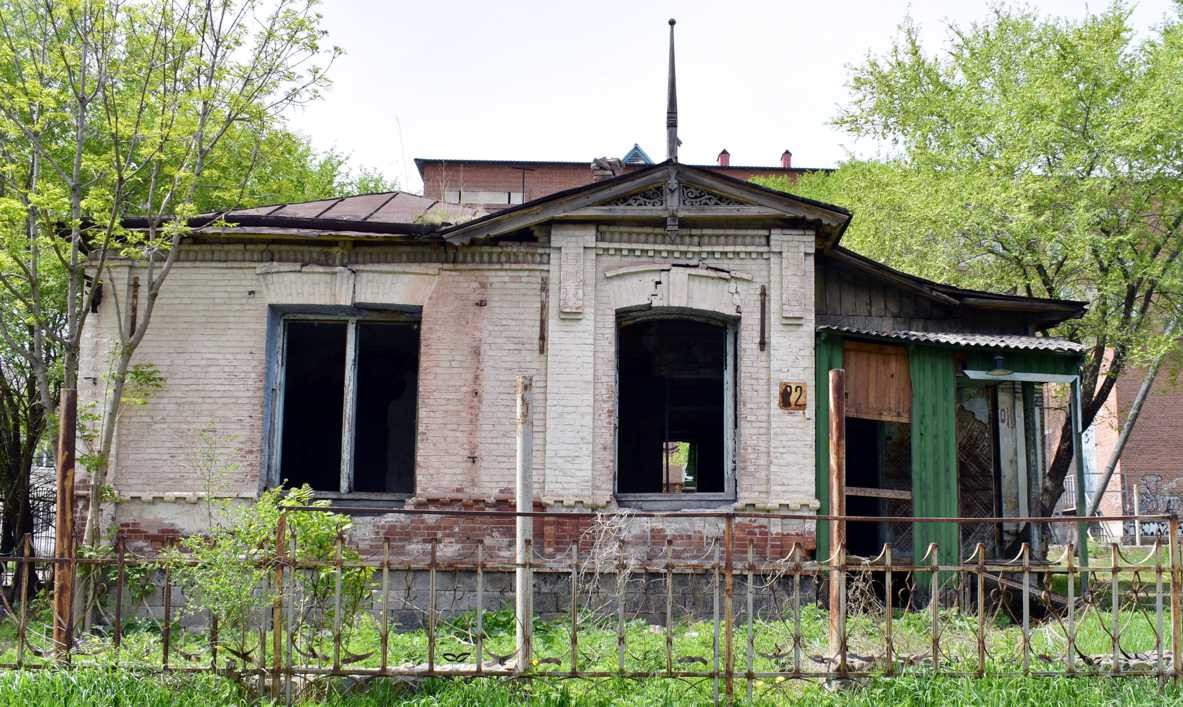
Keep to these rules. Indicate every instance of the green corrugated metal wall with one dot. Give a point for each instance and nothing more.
(934, 449)
(828, 355)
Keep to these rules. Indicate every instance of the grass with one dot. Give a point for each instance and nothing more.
(131, 678)
(111, 688)
(101, 676)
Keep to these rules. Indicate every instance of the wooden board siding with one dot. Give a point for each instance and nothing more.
(878, 384)
(850, 297)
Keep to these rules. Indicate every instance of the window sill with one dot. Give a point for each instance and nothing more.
(675, 501)
(366, 499)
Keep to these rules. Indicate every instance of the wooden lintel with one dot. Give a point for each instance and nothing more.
(866, 492)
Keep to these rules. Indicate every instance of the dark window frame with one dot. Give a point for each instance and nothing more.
(351, 316)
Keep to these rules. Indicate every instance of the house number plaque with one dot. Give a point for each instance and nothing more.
(793, 396)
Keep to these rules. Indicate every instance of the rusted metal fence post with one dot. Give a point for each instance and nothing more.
(166, 631)
(1176, 598)
(715, 625)
(749, 674)
(432, 619)
(120, 580)
(888, 610)
(524, 497)
(384, 657)
(23, 597)
(837, 478)
(277, 607)
(669, 606)
(575, 609)
(934, 605)
(339, 571)
(728, 608)
(980, 551)
(480, 606)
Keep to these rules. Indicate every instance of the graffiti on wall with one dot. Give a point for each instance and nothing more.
(1158, 494)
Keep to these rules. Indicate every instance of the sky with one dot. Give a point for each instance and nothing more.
(564, 80)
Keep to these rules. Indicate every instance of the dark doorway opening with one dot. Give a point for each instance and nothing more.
(673, 381)
(878, 459)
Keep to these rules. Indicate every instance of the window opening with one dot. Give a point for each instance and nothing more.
(674, 397)
(349, 402)
(313, 396)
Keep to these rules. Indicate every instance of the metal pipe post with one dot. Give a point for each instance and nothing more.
(524, 496)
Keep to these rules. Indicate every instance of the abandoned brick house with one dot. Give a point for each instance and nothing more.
(679, 325)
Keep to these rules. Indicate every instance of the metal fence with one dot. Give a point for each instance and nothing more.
(709, 602)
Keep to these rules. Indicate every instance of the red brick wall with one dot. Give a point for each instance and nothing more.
(541, 180)
(1151, 457)
(457, 536)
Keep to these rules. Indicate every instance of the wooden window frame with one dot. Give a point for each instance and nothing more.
(351, 317)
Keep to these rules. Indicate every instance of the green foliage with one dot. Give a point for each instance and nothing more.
(1033, 156)
(115, 687)
(225, 571)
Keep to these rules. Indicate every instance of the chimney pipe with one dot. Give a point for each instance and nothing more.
(724, 158)
(786, 160)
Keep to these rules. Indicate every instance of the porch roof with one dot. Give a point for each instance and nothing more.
(1010, 342)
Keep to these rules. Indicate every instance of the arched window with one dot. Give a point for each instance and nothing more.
(675, 405)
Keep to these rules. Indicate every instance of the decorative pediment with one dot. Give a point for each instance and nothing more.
(653, 196)
(692, 197)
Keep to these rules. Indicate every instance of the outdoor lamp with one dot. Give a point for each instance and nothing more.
(1000, 368)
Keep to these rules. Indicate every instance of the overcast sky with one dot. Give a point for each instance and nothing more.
(558, 80)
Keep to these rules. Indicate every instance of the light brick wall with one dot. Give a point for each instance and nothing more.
(480, 330)
(208, 337)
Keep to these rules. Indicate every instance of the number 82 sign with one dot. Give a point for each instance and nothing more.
(793, 396)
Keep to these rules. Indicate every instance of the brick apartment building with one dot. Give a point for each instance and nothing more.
(492, 185)
(1151, 466)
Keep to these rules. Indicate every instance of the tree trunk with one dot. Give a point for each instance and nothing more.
(1057, 471)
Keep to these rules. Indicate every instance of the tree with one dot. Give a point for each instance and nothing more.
(1035, 156)
(109, 109)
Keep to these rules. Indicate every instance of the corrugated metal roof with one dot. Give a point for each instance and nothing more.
(979, 341)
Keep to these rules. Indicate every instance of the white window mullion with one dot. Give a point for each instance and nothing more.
(348, 407)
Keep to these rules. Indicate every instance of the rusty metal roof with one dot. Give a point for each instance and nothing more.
(380, 208)
(976, 341)
(379, 215)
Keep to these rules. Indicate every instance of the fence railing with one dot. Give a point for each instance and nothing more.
(719, 604)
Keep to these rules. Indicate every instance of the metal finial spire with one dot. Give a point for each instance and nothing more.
(671, 111)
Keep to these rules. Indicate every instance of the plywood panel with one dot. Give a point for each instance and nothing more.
(878, 383)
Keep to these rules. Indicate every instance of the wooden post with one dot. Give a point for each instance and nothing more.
(524, 496)
(63, 544)
(837, 506)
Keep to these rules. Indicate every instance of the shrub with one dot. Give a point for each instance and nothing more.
(227, 571)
